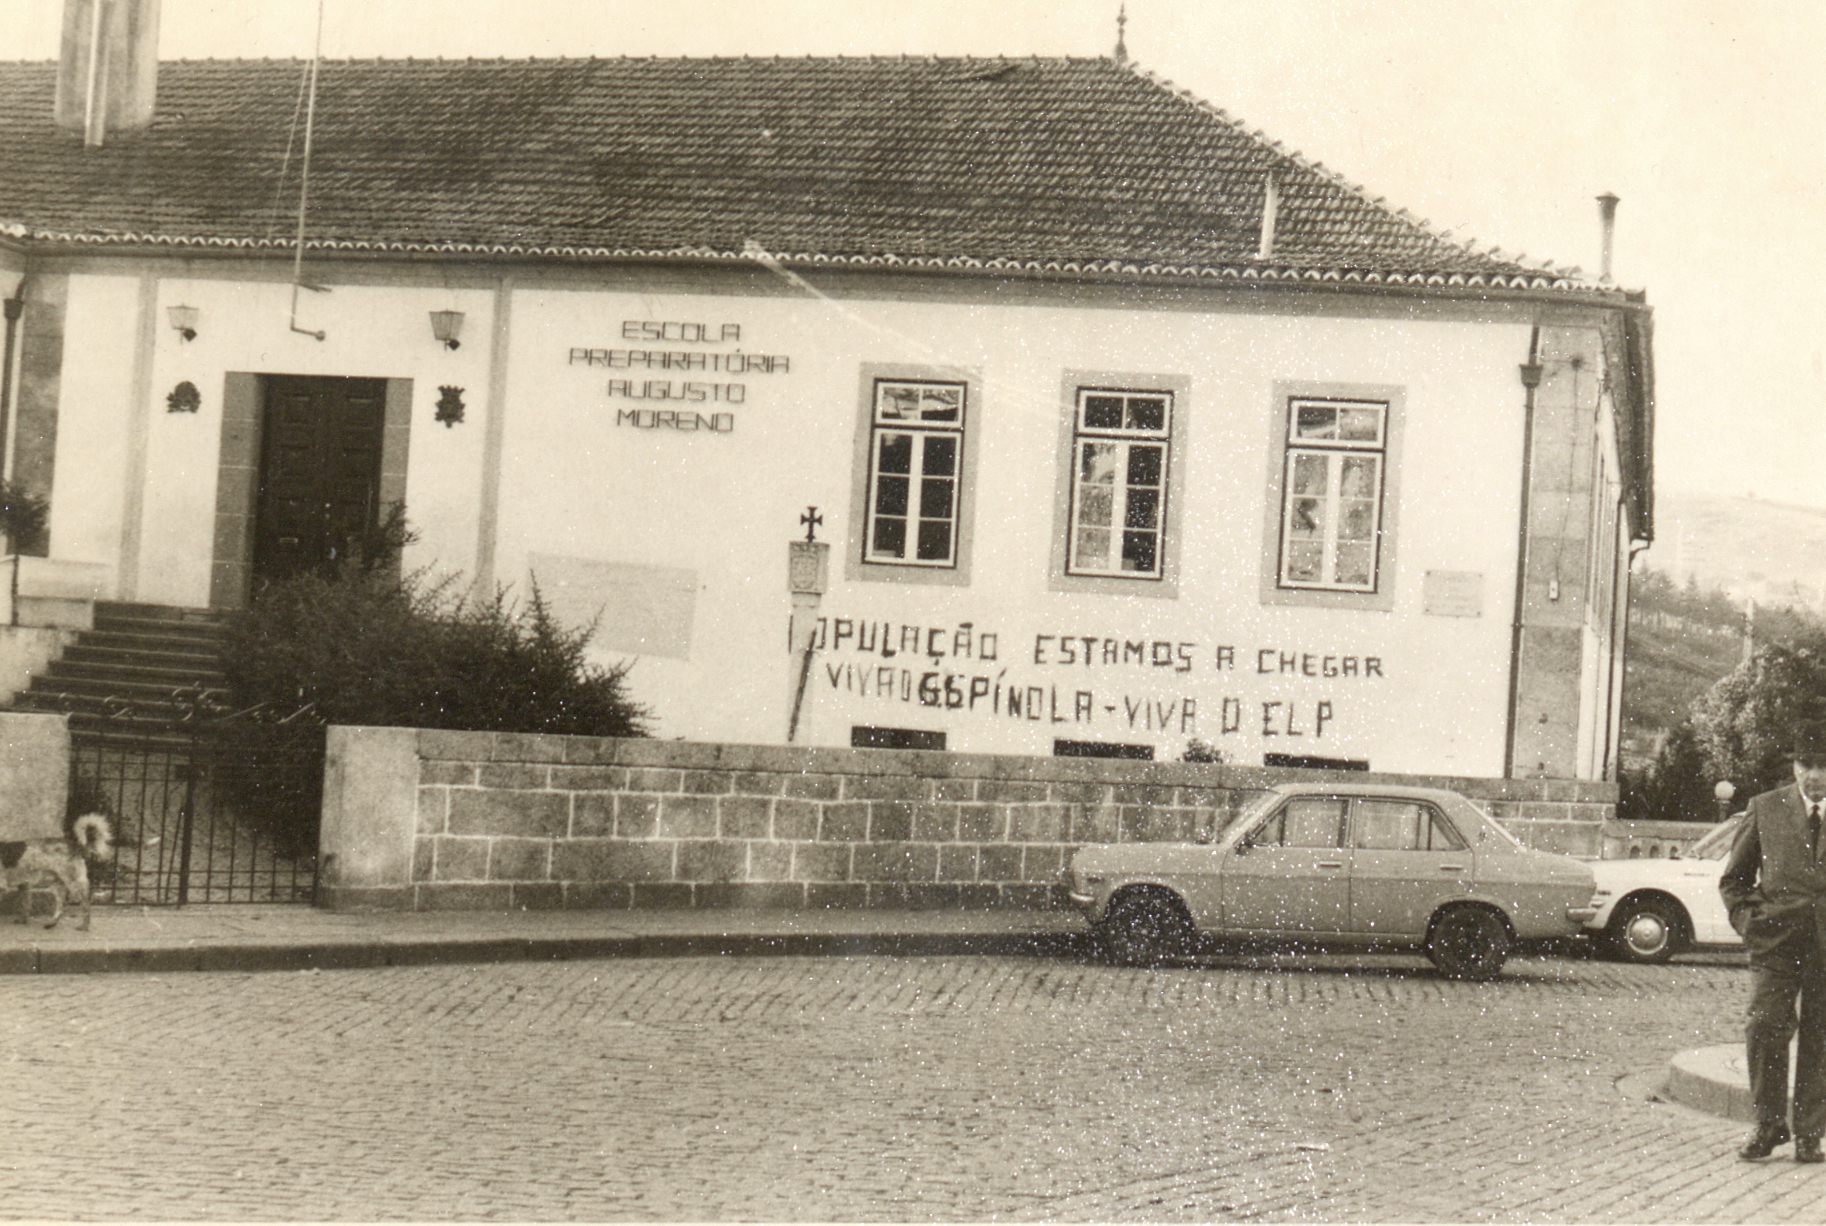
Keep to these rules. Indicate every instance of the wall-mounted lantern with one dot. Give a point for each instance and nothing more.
(447, 326)
(184, 320)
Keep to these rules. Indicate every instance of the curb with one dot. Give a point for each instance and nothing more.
(1713, 1080)
(386, 952)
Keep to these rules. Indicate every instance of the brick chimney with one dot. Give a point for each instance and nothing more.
(107, 74)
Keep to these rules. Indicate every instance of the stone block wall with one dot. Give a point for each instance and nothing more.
(439, 820)
(1649, 840)
(34, 774)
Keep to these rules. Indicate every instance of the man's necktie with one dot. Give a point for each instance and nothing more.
(1813, 825)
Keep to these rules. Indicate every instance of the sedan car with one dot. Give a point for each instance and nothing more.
(1362, 865)
(1650, 910)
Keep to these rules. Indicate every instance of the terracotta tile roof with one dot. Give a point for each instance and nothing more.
(1034, 163)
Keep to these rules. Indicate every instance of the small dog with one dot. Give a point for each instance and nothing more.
(59, 863)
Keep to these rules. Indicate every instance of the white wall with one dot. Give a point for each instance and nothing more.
(375, 332)
(678, 539)
(722, 506)
(94, 419)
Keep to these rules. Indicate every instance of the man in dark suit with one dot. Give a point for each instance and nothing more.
(1774, 884)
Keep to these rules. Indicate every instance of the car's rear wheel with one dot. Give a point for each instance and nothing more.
(1145, 927)
(1643, 930)
(1468, 943)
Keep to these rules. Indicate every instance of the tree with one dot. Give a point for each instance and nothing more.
(1677, 788)
(1744, 723)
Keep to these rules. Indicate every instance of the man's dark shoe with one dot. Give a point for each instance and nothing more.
(1807, 1149)
(1763, 1141)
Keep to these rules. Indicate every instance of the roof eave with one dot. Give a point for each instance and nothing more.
(1504, 281)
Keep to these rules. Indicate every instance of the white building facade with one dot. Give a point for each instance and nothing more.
(1358, 505)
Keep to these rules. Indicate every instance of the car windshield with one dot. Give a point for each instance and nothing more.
(1490, 823)
(1714, 845)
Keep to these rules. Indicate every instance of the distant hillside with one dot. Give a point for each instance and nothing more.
(1771, 552)
(1713, 556)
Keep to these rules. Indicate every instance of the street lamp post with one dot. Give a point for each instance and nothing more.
(1723, 793)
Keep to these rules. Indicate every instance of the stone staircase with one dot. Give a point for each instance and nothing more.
(136, 674)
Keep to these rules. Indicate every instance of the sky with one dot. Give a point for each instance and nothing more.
(1500, 122)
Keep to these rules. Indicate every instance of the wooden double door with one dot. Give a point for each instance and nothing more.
(320, 471)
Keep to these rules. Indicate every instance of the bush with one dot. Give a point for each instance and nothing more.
(1744, 723)
(369, 646)
(23, 518)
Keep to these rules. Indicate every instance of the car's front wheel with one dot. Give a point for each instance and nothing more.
(1468, 943)
(1143, 927)
(1643, 930)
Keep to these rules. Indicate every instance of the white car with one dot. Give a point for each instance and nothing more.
(1359, 865)
(1650, 910)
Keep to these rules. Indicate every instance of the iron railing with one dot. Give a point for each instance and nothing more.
(207, 804)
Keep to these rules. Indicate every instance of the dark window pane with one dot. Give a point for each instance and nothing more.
(1138, 552)
(1103, 412)
(1313, 421)
(1147, 414)
(1144, 465)
(891, 496)
(942, 404)
(891, 538)
(935, 541)
(1144, 509)
(941, 456)
(896, 454)
(935, 498)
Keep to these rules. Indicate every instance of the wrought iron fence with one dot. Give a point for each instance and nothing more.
(207, 805)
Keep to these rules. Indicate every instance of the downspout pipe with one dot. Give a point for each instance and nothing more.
(1531, 380)
(15, 310)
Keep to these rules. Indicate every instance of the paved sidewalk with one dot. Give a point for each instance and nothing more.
(252, 937)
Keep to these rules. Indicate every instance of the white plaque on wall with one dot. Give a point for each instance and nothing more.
(1454, 593)
(641, 610)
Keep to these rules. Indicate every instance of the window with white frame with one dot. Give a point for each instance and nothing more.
(916, 444)
(1120, 446)
(1331, 501)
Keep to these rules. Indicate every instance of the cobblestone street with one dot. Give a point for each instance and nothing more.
(1332, 1088)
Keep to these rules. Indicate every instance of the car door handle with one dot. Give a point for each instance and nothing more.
(1331, 864)
(1451, 868)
